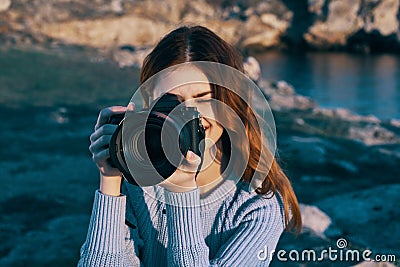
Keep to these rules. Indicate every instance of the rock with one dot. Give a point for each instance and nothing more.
(259, 36)
(345, 114)
(59, 116)
(382, 17)
(342, 21)
(367, 129)
(203, 8)
(282, 97)
(357, 24)
(273, 21)
(170, 11)
(372, 135)
(374, 264)
(116, 6)
(307, 150)
(127, 58)
(368, 216)
(229, 30)
(139, 26)
(314, 219)
(283, 88)
(285, 103)
(108, 33)
(345, 165)
(395, 123)
(252, 69)
(276, 7)
(237, 13)
(315, 7)
(59, 242)
(255, 25)
(303, 114)
(4, 5)
(318, 178)
(264, 23)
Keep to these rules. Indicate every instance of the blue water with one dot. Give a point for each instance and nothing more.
(365, 84)
(31, 78)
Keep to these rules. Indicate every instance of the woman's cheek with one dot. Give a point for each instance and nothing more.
(215, 131)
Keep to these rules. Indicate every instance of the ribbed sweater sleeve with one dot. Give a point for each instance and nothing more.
(186, 244)
(259, 229)
(109, 241)
(258, 233)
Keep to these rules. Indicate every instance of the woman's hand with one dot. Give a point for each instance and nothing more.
(183, 179)
(110, 178)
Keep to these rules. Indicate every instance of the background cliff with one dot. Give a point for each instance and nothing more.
(356, 25)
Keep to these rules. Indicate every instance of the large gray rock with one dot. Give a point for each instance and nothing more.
(282, 97)
(370, 217)
(57, 244)
(266, 22)
(126, 58)
(352, 24)
(139, 23)
(340, 23)
(260, 35)
(252, 68)
(314, 219)
(108, 32)
(304, 115)
(4, 5)
(252, 25)
(382, 17)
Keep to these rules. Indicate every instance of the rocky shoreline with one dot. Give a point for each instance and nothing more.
(255, 25)
(344, 167)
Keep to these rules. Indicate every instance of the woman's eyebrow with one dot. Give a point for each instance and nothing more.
(202, 94)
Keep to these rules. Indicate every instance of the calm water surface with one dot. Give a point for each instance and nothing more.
(365, 84)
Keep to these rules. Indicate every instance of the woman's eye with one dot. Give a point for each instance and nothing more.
(203, 100)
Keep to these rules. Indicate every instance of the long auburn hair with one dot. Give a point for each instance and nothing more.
(197, 43)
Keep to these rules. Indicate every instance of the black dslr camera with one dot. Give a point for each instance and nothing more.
(156, 139)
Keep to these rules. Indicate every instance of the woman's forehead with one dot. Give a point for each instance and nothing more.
(186, 79)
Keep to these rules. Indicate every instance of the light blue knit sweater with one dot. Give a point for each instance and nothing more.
(227, 226)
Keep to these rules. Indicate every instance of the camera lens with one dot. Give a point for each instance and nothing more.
(155, 142)
(162, 143)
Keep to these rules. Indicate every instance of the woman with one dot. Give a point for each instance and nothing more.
(189, 219)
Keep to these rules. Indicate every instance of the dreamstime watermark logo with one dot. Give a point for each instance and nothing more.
(330, 254)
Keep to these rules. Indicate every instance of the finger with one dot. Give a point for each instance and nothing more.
(101, 156)
(131, 106)
(191, 163)
(106, 113)
(99, 144)
(192, 158)
(106, 129)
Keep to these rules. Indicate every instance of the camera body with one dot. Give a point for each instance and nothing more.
(156, 139)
